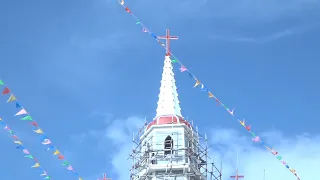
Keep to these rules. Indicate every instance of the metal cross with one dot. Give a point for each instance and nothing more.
(167, 37)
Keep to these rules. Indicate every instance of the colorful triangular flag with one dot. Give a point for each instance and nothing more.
(6, 90)
(203, 88)
(12, 98)
(1, 83)
(197, 83)
(174, 61)
(26, 118)
(242, 123)
(56, 152)
(279, 157)
(18, 105)
(231, 111)
(29, 156)
(182, 68)
(256, 139)
(70, 168)
(61, 157)
(20, 147)
(44, 173)
(36, 165)
(21, 112)
(39, 131)
(65, 163)
(25, 151)
(18, 142)
(34, 124)
(46, 142)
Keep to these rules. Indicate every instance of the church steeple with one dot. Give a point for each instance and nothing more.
(168, 103)
(169, 147)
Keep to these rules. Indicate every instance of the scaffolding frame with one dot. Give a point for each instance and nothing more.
(196, 154)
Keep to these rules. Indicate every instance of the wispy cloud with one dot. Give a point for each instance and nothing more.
(268, 38)
(261, 9)
(244, 9)
(299, 151)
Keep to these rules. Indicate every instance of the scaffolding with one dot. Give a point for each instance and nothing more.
(176, 161)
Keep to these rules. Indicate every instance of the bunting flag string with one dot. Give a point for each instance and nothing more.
(45, 140)
(25, 151)
(204, 88)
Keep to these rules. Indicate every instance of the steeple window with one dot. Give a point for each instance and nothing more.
(168, 145)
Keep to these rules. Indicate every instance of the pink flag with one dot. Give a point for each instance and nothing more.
(70, 168)
(21, 112)
(182, 69)
(44, 173)
(231, 112)
(6, 128)
(25, 151)
(46, 142)
(256, 139)
(274, 152)
(283, 162)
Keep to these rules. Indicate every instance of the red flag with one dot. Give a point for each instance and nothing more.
(128, 10)
(248, 128)
(60, 157)
(34, 124)
(6, 90)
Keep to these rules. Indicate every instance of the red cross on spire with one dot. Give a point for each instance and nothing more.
(104, 177)
(237, 176)
(167, 37)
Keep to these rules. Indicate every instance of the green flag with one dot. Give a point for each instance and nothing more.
(279, 157)
(27, 118)
(65, 163)
(174, 60)
(1, 82)
(29, 156)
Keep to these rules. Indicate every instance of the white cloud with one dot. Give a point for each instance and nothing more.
(120, 132)
(299, 151)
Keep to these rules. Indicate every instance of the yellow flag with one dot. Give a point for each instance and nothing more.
(11, 98)
(210, 95)
(39, 131)
(56, 152)
(80, 178)
(36, 165)
(268, 148)
(197, 83)
(242, 123)
(18, 142)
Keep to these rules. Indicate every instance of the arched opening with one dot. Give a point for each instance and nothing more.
(168, 145)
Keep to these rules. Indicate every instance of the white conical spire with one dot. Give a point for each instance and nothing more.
(168, 103)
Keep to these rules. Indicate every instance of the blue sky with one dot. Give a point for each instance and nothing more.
(89, 77)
